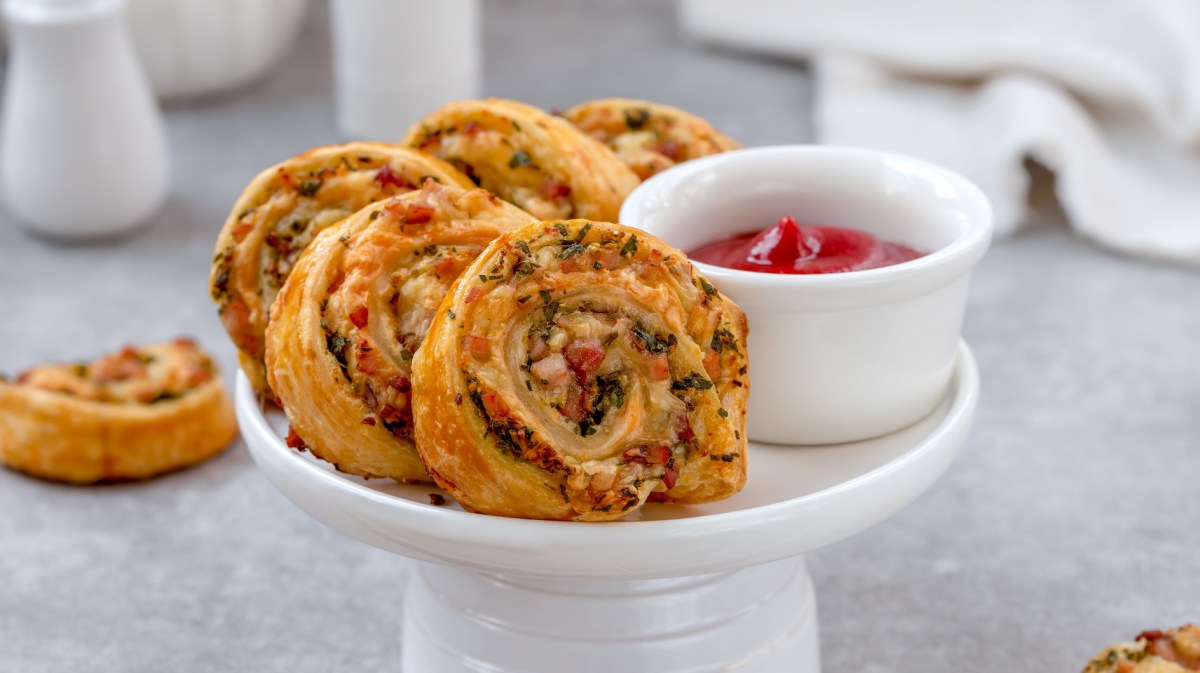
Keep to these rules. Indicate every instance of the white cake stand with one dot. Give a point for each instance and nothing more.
(702, 589)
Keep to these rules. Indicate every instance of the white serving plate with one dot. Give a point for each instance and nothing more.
(718, 587)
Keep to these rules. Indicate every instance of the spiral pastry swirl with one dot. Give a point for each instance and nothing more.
(355, 309)
(538, 161)
(578, 369)
(281, 211)
(132, 414)
(648, 137)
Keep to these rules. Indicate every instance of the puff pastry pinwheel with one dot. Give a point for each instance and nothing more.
(648, 137)
(576, 370)
(538, 161)
(279, 213)
(1174, 651)
(354, 310)
(129, 415)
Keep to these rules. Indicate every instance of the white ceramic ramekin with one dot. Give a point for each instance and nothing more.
(835, 357)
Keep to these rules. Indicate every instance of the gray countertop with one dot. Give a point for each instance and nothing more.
(1071, 520)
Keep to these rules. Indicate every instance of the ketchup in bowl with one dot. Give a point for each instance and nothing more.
(788, 247)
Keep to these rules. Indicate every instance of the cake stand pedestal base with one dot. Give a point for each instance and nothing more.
(761, 619)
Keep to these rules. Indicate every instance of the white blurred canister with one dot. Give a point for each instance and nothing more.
(396, 61)
(83, 152)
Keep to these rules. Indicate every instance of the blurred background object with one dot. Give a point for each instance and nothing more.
(83, 152)
(197, 48)
(396, 61)
(1104, 94)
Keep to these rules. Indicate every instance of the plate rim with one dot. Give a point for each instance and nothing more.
(431, 532)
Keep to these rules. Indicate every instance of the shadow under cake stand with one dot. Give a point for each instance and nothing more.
(700, 589)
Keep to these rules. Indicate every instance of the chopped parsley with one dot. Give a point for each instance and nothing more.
(692, 381)
(637, 118)
(520, 158)
(630, 246)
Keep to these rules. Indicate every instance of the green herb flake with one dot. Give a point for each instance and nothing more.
(520, 158)
(546, 296)
(562, 229)
(722, 413)
(524, 247)
(572, 250)
(452, 315)
(692, 381)
(630, 246)
(637, 118)
(309, 187)
(522, 300)
(482, 278)
(708, 288)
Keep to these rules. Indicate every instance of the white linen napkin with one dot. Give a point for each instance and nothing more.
(1105, 93)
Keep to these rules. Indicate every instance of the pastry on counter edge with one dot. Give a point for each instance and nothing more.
(1173, 651)
(129, 415)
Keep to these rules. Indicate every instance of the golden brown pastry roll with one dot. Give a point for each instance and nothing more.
(648, 137)
(129, 415)
(538, 161)
(354, 310)
(281, 211)
(1174, 651)
(577, 369)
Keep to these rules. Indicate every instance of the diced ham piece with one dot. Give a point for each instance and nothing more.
(359, 317)
(584, 357)
(494, 404)
(660, 369)
(242, 228)
(670, 149)
(576, 407)
(539, 349)
(401, 383)
(446, 267)
(609, 259)
(477, 345)
(659, 455)
(418, 213)
(574, 264)
(671, 476)
(386, 176)
(552, 369)
(474, 294)
(552, 189)
(683, 428)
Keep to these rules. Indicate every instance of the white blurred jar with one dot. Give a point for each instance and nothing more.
(396, 61)
(83, 152)
(196, 48)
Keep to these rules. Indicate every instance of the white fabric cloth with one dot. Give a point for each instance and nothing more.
(1105, 93)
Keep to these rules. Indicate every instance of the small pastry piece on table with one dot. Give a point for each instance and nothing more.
(522, 154)
(648, 137)
(129, 415)
(354, 311)
(577, 370)
(1174, 651)
(281, 211)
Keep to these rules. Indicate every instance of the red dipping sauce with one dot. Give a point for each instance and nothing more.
(790, 248)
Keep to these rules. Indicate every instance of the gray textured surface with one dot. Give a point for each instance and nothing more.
(1071, 520)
